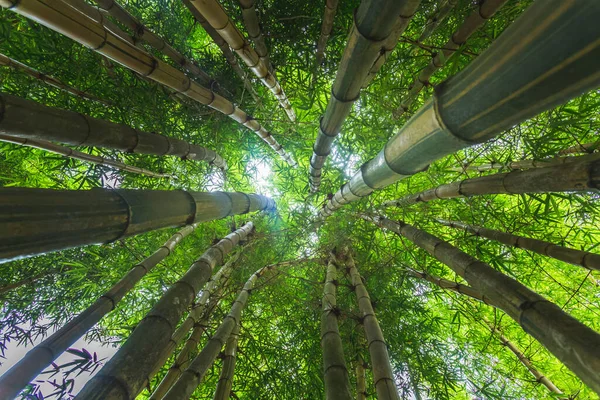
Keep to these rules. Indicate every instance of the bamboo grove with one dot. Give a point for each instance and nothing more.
(371, 199)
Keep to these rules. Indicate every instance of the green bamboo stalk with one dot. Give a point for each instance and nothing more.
(326, 28)
(581, 148)
(124, 375)
(225, 382)
(485, 10)
(434, 21)
(37, 221)
(42, 355)
(50, 80)
(572, 342)
(78, 155)
(216, 16)
(250, 18)
(361, 385)
(373, 22)
(582, 174)
(523, 164)
(337, 384)
(380, 359)
(581, 258)
(71, 22)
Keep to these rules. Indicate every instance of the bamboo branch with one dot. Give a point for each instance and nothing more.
(326, 28)
(450, 285)
(523, 164)
(434, 21)
(581, 148)
(31, 279)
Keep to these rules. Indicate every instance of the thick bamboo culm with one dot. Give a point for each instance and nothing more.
(523, 164)
(581, 148)
(68, 20)
(78, 155)
(373, 23)
(42, 355)
(50, 80)
(326, 28)
(123, 377)
(485, 10)
(573, 343)
(337, 383)
(225, 382)
(42, 220)
(216, 16)
(29, 120)
(436, 19)
(583, 174)
(449, 285)
(361, 384)
(251, 22)
(514, 79)
(383, 375)
(581, 258)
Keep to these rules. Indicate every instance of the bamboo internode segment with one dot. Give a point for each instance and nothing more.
(32, 121)
(124, 375)
(436, 19)
(474, 21)
(581, 258)
(35, 221)
(373, 23)
(523, 164)
(582, 174)
(572, 342)
(252, 25)
(514, 79)
(326, 27)
(337, 383)
(450, 285)
(383, 375)
(225, 382)
(216, 16)
(361, 384)
(42, 355)
(50, 80)
(78, 155)
(581, 148)
(68, 20)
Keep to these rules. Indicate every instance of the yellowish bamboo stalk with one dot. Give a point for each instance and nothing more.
(251, 22)
(225, 382)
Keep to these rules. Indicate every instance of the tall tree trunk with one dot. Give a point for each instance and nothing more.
(581, 258)
(78, 155)
(42, 220)
(572, 342)
(124, 375)
(373, 23)
(337, 384)
(326, 28)
(478, 103)
(485, 10)
(42, 355)
(380, 359)
(523, 164)
(226, 377)
(27, 119)
(67, 20)
(581, 148)
(436, 19)
(583, 174)
(252, 25)
(361, 384)
(216, 16)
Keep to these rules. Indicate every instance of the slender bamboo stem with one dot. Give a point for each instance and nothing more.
(380, 359)
(511, 165)
(31, 279)
(572, 342)
(124, 375)
(581, 148)
(337, 384)
(50, 80)
(582, 174)
(251, 22)
(216, 16)
(361, 385)
(78, 155)
(225, 382)
(434, 21)
(514, 79)
(42, 355)
(326, 28)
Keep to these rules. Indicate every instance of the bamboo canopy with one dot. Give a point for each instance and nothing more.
(214, 13)
(78, 155)
(69, 21)
(486, 9)
(581, 258)
(225, 382)
(523, 164)
(514, 79)
(251, 22)
(50, 80)
(583, 174)
(573, 343)
(326, 28)
(60, 219)
(434, 21)
(124, 375)
(373, 23)
(42, 355)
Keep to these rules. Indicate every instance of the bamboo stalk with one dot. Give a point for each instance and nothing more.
(37, 221)
(523, 164)
(326, 28)
(514, 79)
(337, 384)
(361, 385)
(434, 21)
(214, 13)
(251, 22)
(383, 375)
(572, 342)
(475, 20)
(225, 382)
(69, 21)
(373, 22)
(50, 80)
(583, 174)
(581, 148)
(78, 155)
(581, 258)
(42, 355)
(124, 375)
